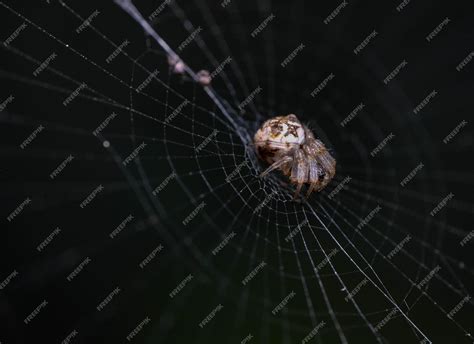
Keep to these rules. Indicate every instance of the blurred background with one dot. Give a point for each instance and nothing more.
(99, 229)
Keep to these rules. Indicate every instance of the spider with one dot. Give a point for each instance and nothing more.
(286, 144)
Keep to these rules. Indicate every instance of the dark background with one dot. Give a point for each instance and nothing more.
(229, 206)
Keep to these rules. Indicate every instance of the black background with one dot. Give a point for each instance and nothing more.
(229, 206)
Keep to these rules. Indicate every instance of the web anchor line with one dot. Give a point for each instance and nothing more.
(130, 8)
(367, 276)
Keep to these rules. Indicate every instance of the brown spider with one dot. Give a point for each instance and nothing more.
(286, 144)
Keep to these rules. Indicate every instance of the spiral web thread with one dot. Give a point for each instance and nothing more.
(337, 217)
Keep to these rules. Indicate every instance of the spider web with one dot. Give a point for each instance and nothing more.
(190, 176)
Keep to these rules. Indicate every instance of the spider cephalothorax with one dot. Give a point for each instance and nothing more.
(286, 144)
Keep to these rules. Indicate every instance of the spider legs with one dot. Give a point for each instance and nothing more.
(328, 166)
(299, 171)
(311, 164)
(276, 164)
(322, 165)
(313, 175)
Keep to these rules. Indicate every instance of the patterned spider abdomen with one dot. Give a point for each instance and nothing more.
(277, 136)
